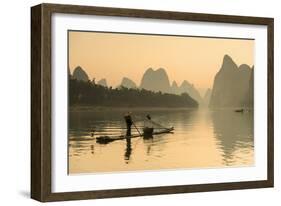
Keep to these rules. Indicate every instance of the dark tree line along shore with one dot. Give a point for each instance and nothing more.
(91, 94)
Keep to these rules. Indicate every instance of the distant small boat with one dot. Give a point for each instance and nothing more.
(239, 110)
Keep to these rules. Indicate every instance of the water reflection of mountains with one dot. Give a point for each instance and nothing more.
(232, 131)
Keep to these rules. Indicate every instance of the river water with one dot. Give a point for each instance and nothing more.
(202, 139)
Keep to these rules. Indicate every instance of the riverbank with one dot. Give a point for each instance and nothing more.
(80, 108)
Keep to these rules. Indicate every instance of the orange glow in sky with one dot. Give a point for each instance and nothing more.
(114, 56)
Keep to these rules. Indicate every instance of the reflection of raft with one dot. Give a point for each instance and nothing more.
(107, 139)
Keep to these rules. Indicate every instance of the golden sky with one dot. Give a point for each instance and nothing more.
(114, 56)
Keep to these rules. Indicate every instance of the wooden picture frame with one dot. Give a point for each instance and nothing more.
(41, 171)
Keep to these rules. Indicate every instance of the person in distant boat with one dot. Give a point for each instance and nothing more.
(129, 122)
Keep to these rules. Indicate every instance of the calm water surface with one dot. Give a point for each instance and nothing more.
(202, 139)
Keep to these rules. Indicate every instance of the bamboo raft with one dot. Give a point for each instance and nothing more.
(107, 139)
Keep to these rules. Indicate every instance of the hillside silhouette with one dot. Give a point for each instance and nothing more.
(233, 85)
(91, 94)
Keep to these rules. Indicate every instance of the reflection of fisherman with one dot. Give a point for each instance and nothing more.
(129, 123)
(128, 150)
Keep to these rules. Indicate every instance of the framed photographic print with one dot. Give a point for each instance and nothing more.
(130, 102)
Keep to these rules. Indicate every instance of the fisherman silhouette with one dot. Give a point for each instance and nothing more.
(129, 122)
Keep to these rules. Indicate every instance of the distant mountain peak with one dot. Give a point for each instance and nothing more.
(155, 80)
(102, 82)
(227, 58)
(149, 70)
(125, 78)
(228, 62)
(128, 83)
(160, 70)
(185, 83)
(174, 84)
(189, 88)
(80, 74)
(230, 84)
(78, 69)
(244, 67)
